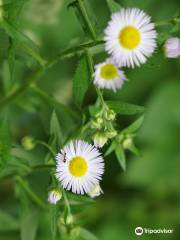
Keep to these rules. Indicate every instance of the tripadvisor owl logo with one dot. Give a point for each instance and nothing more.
(138, 231)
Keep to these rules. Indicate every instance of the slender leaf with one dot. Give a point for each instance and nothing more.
(134, 126)
(7, 222)
(111, 148)
(29, 225)
(125, 108)
(86, 235)
(26, 43)
(81, 82)
(113, 6)
(54, 218)
(121, 156)
(55, 131)
(5, 142)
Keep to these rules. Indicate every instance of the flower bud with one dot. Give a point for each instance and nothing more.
(69, 220)
(54, 196)
(97, 123)
(110, 115)
(28, 143)
(100, 139)
(111, 133)
(95, 191)
(172, 47)
(127, 144)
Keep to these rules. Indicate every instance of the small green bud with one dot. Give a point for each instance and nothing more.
(100, 139)
(110, 115)
(28, 143)
(99, 120)
(69, 220)
(75, 232)
(95, 191)
(97, 123)
(127, 143)
(111, 133)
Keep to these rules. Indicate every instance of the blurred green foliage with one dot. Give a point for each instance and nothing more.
(148, 193)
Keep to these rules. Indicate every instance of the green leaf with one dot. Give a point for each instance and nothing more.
(6, 77)
(7, 222)
(54, 218)
(86, 235)
(134, 150)
(55, 131)
(25, 43)
(13, 9)
(113, 6)
(121, 156)
(79, 200)
(134, 126)
(29, 225)
(125, 108)
(5, 142)
(81, 82)
(84, 18)
(110, 149)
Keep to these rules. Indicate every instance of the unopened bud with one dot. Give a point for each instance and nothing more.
(95, 191)
(172, 47)
(97, 123)
(111, 134)
(28, 143)
(100, 139)
(54, 196)
(68, 221)
(110, 115)
(127, 144)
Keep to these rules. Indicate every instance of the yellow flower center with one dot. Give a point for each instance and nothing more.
(78, 166)
(129, 37)
(109, 71)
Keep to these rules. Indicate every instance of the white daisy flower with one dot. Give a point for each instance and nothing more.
(130, 37)
(79, 167)
(54, 196)
(172, 47)
(107, 75)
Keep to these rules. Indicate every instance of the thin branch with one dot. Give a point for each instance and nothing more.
(31, 194)
(66, 53)
(87, 21)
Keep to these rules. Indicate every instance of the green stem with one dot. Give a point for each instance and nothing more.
(47, 146)
(13, 95)
(66, 53)
(163, 23)
(91, 69)
(168, 22)
(31, 194)
(42, 166)
(86, 19)
(52, 102)
(66, 201)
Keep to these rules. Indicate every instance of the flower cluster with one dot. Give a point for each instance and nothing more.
(130, 39)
